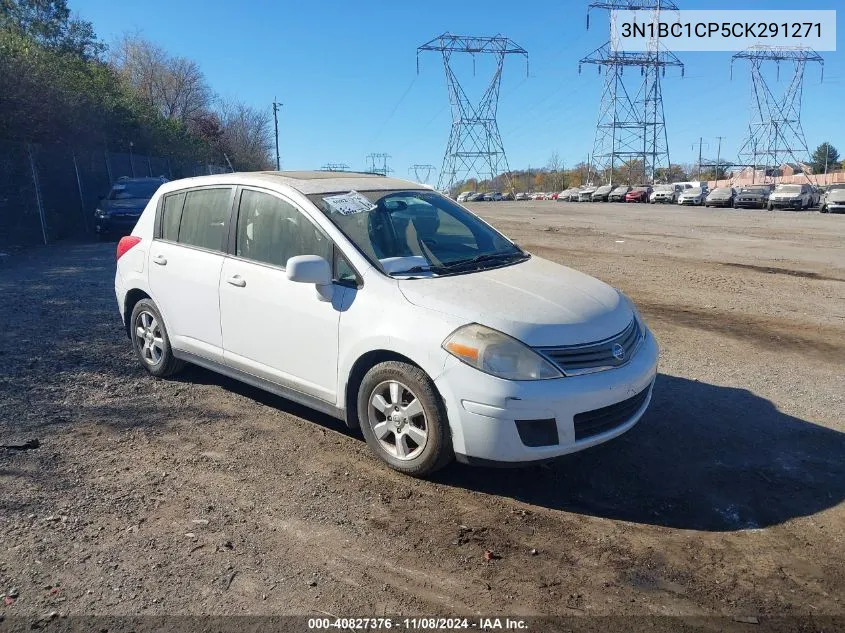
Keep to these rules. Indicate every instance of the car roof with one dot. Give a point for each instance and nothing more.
(305, 182)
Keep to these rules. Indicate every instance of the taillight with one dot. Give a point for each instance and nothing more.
(125, 244)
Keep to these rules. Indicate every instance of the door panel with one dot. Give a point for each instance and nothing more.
(279, 330)
(272, 327)
(185, 284)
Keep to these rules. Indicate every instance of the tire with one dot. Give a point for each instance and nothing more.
(152, 347)
(823, 210)
(428, 446)
(770, 208)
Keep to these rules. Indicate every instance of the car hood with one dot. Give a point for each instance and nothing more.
(751, 194)
(128, 204)
(719, 196)
(536, 301)
(788, 195)
(837, 195)
(664, 193)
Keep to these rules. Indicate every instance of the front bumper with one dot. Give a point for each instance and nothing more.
(685, 202)
(483, 410)
(720, 203)
(117, 224)
(836, 207)
(786, 204)
(751, 204)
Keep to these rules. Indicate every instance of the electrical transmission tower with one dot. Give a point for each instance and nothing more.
(475, 144)
(421, 172)
(378, 164)
(775, 134)
(631, 128)
(335, 167)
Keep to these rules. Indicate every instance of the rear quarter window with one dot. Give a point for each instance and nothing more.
(205, 216)
(172, 216)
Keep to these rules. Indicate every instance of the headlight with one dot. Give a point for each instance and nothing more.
(99, 213)
(498, 354)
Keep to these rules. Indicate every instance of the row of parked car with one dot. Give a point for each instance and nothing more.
(766, 196)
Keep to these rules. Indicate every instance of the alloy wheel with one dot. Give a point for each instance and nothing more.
(398, 420)
(149, 337)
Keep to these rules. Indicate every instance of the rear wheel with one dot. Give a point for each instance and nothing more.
(150, 340)
(403, 419)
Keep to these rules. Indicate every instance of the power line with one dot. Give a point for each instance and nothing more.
(775, 134)
(475, 144)
(631, 124)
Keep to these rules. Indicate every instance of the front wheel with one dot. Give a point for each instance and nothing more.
(403, 419)
(150, 340)
(823, 210)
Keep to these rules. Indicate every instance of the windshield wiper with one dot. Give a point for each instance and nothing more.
(427, 268)
(486, 257)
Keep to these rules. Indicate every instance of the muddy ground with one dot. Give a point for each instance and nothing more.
(199, 495)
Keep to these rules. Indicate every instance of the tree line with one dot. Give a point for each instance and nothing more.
(60, 84)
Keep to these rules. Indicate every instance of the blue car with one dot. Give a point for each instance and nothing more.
(118, 211)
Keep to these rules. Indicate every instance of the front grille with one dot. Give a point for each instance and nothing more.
(573, 360)
(599, 421)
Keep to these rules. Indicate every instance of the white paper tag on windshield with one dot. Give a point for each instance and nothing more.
(348, 203)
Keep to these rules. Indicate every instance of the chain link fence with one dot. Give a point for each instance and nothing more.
(49, 193)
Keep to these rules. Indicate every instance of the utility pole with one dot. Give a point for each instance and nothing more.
(718, 160)
(276, 106)
(700, 144)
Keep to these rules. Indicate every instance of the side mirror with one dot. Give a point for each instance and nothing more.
(311, 269)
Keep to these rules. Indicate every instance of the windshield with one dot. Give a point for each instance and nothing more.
(722, 191)
(664, 188)
(621, 190)
(418, 233)
(789, 188)
(755, 189)
(605, 189)
(134, 190)
(641, 189)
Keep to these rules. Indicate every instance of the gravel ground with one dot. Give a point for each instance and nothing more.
(199, 495)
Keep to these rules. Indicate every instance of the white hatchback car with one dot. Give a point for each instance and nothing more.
(389, 306)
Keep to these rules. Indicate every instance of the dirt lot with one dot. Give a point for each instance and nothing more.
(200, 495)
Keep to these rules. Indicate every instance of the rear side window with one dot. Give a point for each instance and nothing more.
(271, 231)
(205, 214)
(172, 216)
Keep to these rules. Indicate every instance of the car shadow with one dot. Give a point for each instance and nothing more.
(703, 457)
(194, 374)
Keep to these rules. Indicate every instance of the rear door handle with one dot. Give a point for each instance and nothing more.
(236, 280)
(160, 260)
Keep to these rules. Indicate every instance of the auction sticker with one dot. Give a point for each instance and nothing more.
(348, 203)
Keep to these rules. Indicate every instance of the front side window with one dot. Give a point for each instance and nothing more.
(205, 216)
(418, 232)
(271, 231)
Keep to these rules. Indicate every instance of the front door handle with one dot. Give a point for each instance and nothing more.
(236, 280)
(160, 260)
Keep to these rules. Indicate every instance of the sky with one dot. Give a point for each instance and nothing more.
(346, 73)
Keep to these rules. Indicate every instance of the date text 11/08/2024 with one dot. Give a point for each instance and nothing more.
(418, 624)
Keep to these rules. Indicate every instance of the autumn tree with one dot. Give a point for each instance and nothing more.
(175, 86)
(246, 136)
